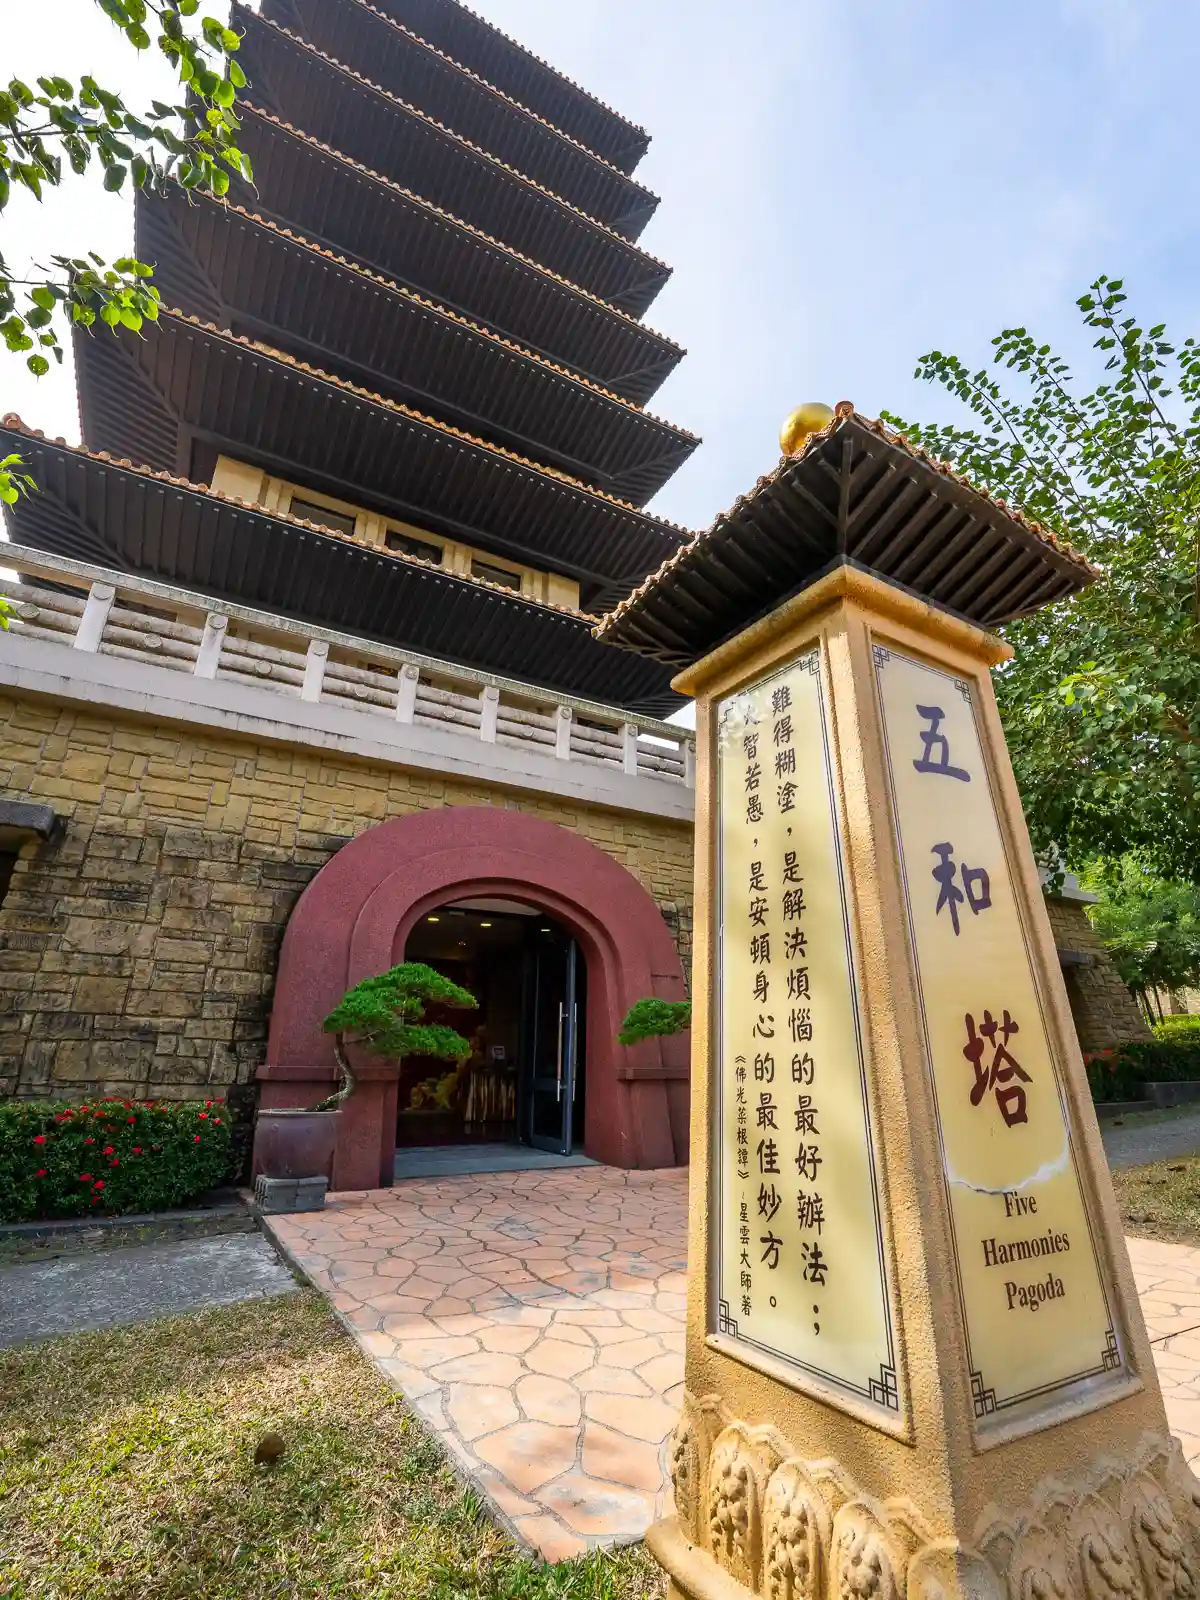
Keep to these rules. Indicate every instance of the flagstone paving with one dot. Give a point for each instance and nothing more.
(1168, 1281)
(535, 1320)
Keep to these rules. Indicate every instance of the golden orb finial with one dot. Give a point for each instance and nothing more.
(804, 421)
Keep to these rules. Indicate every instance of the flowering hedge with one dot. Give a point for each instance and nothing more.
(108, 1156)
(1119, 1074)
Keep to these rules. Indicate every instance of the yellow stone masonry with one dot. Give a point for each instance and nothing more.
(137, 952)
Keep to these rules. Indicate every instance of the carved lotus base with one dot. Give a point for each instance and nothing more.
(754, 1519)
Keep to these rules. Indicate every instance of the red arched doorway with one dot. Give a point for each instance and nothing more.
(354, 920)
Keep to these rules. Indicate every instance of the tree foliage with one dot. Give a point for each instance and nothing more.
(57, 126)
(386, 1015)
(650, 1019)
(1150, 927)
(1102, 703)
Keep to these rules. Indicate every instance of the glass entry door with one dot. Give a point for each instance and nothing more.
(551, 1044)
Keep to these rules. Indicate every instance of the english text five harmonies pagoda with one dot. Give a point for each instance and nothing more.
(399, 384)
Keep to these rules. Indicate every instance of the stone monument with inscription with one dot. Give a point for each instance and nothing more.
(916, 1364)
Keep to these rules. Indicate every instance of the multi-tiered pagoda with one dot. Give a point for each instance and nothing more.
(399, 383)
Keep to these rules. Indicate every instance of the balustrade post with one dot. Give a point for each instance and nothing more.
(562, 733)
(314, 669)
(406, 694)
(489, 713)
(95, 617)
(630, 746)
(208, 657)
(689, 763)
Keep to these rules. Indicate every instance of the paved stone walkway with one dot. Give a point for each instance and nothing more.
(103, 1288)
(1137, 1144)
(535, 1320)
(1168, 1280)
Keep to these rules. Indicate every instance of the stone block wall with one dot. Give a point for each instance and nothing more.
(1105, 1012)
(138, 951)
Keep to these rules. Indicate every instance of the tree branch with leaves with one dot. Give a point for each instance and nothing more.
(57, 126)
(1101, 704)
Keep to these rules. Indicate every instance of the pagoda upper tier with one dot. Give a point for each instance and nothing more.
(466, 37)
(366, 41)
(240, 272)
(404, 143)
(418, 328)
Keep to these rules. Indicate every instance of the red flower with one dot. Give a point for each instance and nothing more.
(130, 1119)
(89, 1140)
(114, 1162)
(108, 1149)
(39, 1138)
(204, 1116)
(85, 1177)
(195, 1138)
(40, 1173)
(208, 1103)
(99, 1185)
(217, 1121)
(137, 1149)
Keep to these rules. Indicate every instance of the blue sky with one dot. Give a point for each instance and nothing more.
(844, 186)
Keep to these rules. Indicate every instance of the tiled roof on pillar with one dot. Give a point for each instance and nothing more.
(360, 36)
(857, 493)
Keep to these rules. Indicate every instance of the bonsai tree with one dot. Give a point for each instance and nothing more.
(649, 1019)
(386, 1016)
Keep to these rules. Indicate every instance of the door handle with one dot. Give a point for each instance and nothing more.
(574, 1050)
(562, 1012)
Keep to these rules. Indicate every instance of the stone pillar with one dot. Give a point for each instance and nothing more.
(916, 1365)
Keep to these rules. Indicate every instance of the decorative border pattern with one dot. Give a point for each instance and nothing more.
(785, 1528)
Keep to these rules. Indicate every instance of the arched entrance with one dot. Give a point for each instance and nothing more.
(356, 917)
(525, 1080)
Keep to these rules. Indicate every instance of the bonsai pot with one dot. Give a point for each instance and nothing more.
(296, 1144)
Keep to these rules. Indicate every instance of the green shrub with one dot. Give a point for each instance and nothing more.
(108, 1156)
(1118, 1074)
(650, 1019)
(1172, 1027)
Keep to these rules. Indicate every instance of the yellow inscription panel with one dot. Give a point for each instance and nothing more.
(800, 1261)
(1037, 1317)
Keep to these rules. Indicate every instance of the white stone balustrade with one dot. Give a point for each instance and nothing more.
(100, 613)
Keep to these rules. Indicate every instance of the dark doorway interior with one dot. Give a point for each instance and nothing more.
(524, 1081)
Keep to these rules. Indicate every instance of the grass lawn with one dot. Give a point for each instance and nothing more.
(1162, 1200)
(127, 1469)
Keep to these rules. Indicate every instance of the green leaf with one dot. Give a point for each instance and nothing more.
(44, 297)
(38, 365)
(114, 176)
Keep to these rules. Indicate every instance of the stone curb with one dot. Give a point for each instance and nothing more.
(66, 1226)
